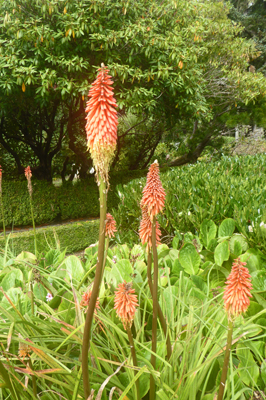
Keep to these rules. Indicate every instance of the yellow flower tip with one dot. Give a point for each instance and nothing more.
(237, 292)
(153, 193)
(110, 226)
(102, 121)
(125, 303)
(86, 300)
(145, 229)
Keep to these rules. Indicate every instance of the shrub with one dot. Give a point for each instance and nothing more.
(71, 200)
(72, 236)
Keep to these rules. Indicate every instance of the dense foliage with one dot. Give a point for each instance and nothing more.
(42, 344)
(57, 203)
(233, 187)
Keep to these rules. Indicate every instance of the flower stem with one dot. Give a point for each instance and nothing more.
(155, 307)
(95, 289)
(226, 360)
(3, 216)
(134, 357)
(33, 225)
(34, 386)
(160, 313)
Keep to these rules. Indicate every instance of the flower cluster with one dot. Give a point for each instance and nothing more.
(151, 204)
(125, 303)
(145, 229)
(102, 121)
(237, 292)
(110, 226)
(153, 193)
(28, 175)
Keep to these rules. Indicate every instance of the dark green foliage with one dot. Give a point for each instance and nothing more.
(73, 236)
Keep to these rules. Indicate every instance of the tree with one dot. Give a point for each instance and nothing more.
(170, 63)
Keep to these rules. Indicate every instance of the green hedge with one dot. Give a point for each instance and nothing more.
(50, 203)
(73, 236)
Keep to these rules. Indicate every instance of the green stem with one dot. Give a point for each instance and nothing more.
(34, 386)
(33, 225)
(160, 313)
(95, 290)
(32, 298)
(134, 358)
(226, 359)
(5, 376)
(155, 307)
(3, 216)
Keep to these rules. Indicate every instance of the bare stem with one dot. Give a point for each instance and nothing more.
(155, 307)
(226, 360)
(134, 358)
(3, 216)
(160, 313)
(95, 290)
(33, 225)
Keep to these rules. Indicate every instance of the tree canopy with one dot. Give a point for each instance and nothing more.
(182, 65)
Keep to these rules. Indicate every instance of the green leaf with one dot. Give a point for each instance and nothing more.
(121, 271)
(221, 253)
(39, 291)
(12, 279)
(241, 240)
(237, 248)
(226, 228)
(259, 280)
(247, 368)
(189, 259)
(208, 231)
(74, 267)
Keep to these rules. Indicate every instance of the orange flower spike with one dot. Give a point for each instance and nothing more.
(110, 226)
(125, 303)
(237, 292)
(28, 175)
(153, 193)
(102, 121)
(145, 229)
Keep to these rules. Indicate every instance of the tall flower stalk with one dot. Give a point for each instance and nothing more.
(152, 203)
(2, 205)
(236, 302)
(28, 176)
(125, 306)
(101, 129)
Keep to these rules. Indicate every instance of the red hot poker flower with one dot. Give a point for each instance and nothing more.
(145, 229)
(28, 175)
(110, 227)
(237, 292)
(125, 303)
(101, 126)
(153, 193)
